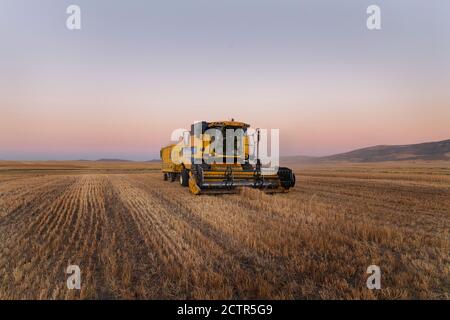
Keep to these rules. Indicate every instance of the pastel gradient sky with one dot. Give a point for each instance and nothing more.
(139, 69)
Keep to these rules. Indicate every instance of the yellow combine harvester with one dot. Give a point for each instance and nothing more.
(204, 169)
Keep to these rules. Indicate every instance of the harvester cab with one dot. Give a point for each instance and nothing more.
(216, 158)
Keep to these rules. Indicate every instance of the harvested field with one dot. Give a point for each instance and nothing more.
(135, 236)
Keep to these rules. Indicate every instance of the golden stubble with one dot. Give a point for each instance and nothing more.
(135, 236)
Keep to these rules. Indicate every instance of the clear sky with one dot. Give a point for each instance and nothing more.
(139, 69)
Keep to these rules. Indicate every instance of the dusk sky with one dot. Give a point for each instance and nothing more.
(139, 69)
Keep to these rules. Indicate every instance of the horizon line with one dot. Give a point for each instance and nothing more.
(118, 159)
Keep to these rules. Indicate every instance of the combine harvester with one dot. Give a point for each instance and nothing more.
(205, 171)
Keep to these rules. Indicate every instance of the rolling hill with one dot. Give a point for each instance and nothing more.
(439, 150)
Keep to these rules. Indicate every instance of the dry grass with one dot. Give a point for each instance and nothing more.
(136, 236)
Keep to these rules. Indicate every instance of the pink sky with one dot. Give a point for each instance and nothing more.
(118, 91)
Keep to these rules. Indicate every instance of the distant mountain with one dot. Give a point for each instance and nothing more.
(113, 160)
(439, 150)
(422, 151)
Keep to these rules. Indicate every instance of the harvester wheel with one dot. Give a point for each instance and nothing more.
(173, 177)
(287, 177)
(165, 177)
(184, 178)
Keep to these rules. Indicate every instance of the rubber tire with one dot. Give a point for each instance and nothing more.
(173, 177)
(184, 178)
(165, 177)
(284, 173)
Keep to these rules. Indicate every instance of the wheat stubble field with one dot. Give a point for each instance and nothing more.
(135, 236)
